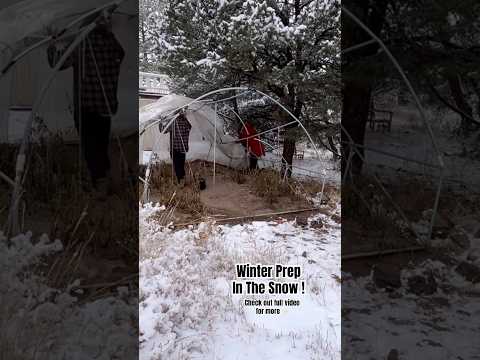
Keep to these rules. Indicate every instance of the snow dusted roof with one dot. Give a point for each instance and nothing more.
(151, 83)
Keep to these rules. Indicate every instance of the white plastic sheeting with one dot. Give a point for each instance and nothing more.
(27, 17)
(21, 85)
(202, 117)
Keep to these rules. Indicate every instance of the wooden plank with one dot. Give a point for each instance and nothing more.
(235, 218)
(382, 252)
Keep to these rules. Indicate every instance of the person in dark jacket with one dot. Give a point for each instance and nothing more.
(179, 131)
(96, 65)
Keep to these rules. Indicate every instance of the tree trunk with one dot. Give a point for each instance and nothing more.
(287, 156)
(235, 99)
(460, 101)
(333, 148)
(289, 141)
(357, 88)
(356, 104)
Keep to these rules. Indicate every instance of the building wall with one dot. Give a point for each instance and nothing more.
(142, 101)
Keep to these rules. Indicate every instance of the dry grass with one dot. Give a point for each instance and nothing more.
(239, 176)
(166, 192)
(372, 215)
(269, 185)
(264, 186)
(58, 203)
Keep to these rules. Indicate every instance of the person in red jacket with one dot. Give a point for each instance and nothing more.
(254, 146)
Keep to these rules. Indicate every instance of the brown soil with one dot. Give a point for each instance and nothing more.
(227, 198)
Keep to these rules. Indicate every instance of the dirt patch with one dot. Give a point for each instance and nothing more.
(227, 198)
(236, 193)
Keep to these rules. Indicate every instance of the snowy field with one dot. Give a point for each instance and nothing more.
(438, 323)
(314, 165)
(41, 322)
(187, 310)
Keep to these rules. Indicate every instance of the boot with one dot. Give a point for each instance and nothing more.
(181, 183)
(101, 189)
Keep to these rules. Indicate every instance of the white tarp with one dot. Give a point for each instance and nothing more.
(24, 18)
(202, 136)
(21, 86)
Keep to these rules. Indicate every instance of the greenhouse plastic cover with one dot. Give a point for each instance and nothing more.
(202, 117)
(25, 18)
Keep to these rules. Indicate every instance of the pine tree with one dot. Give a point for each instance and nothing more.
(436, 44)
(288, 49)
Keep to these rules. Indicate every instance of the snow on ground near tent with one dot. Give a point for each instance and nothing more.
(439, 323)
(410, 139)
(53, 322)
(186, 307)
(312, 165)
(438, 326)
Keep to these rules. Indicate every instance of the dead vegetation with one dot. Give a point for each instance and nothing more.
(58, 201)
(269, 185)
(237, 192)
(365, 207)
(165, 191)
(374, 222)
(239, 176)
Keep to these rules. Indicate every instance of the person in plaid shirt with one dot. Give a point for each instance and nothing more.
(96, 68)
(179, 131)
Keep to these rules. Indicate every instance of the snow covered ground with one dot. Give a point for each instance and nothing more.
(313, 165)
(434, 313)
(40, 322)
(187, 310)
(436, 326)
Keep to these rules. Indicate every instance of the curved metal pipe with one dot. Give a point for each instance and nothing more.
(419, 106)
(147, 173)
(404, 78)
(49, 38)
